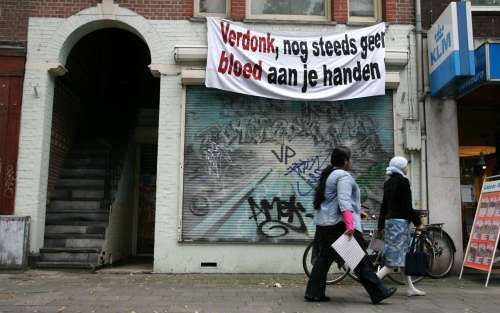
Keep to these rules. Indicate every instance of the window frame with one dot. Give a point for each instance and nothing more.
(485, 8)
(197, 13)
(289, 17)
(377, 14)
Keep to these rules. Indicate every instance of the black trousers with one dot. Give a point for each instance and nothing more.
(325, 236)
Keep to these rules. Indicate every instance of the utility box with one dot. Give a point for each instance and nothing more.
(412, 135)
(14, 239)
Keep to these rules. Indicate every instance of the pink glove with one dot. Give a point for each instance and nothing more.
(348, 220)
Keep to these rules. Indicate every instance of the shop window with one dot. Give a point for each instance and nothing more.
(311, 10)
(211, 7)
(485, 5)
(364, 11)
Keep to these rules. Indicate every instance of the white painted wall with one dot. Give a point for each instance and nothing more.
(34, 151)
(118, 240)
(172, 256)
(49, 41)
(444, 170)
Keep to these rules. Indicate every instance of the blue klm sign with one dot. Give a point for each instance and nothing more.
(444, 43)
(451, 51)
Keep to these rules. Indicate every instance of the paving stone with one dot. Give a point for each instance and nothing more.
(49, 291)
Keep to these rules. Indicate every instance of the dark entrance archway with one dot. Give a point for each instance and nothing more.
(102, 185)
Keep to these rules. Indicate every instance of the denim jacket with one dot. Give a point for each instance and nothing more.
(341, 193)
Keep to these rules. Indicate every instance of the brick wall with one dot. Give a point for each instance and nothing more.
(238, 9)
(13, 20)
(399, 11)
(431, 11)
(340, 11)
(14, 14)
(67, 107)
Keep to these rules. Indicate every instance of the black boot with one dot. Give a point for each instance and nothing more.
(369, 279)
(317, 299)
(372, 283)
(377, 297)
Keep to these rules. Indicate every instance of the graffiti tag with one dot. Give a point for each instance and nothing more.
(288, 153)
(216, 156)
(309, 170)
(301, 167)
(288, 215)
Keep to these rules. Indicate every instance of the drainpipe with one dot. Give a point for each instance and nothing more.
(421, 105)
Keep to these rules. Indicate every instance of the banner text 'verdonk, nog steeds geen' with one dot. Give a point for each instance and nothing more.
(331, 67)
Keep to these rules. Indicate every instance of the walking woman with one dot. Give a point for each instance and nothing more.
(337, 201)
(396, 214)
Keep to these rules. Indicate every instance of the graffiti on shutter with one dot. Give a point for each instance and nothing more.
(251, 164)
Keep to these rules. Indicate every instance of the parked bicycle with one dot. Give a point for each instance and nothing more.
(437, 243)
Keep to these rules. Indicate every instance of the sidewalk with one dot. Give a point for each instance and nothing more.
(58, 291)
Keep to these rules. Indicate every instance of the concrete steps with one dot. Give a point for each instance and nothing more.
(76, 204)
(61, 216)
(73, 255)
(85, 162)
(76, 220)
(86, 182)
(69, 240)
(103, 224)
(80, 193)
(61, 264)
(75, 229)
(79, 172)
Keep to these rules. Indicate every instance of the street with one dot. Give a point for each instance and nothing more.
(74, 291)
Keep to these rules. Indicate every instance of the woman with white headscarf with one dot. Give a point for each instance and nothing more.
(396, 214)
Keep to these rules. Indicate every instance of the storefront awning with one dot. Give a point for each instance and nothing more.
(487, 70)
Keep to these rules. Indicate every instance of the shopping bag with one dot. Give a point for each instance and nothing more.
(416, 261)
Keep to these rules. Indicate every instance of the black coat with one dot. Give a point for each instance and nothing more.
(397, 201)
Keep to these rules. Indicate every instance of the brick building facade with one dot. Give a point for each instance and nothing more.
(112, 115)
(14, 22)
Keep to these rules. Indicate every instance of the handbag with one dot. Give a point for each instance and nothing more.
(416, 260)
(376, 243)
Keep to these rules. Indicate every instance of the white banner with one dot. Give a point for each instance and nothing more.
(334, 67)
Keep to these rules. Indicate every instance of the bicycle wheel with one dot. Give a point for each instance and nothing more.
(400, 277)
(335, 274)
(444, 253)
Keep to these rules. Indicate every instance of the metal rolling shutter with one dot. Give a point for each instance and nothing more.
(250, 163)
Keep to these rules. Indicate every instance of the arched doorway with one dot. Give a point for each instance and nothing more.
(102, 173)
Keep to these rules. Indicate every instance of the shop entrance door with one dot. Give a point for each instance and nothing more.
(479, 139)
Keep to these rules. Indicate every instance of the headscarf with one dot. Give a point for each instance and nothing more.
(396, 165)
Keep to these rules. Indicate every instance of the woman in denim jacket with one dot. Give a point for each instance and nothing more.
(337, 201)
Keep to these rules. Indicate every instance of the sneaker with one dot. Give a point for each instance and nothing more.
(414, 292)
